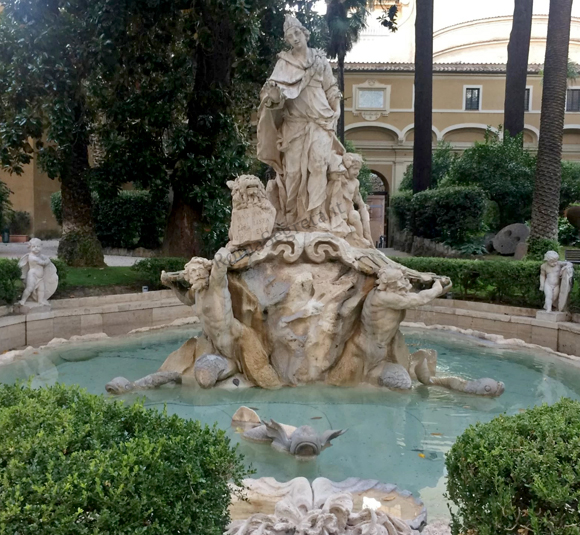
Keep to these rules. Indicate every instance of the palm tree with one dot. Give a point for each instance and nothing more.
(346, 19)
(548, 171)
(423, 145)
(517, 68)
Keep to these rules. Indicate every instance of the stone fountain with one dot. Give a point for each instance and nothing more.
(300, 294)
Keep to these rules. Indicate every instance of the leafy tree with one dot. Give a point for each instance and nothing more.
(48, 49)
(5, 205)
(548, 173)
(570, 189)
(346, 19)
(517, 68)
(504, 170)
(181, 90)
(443, 160)
(423, 144)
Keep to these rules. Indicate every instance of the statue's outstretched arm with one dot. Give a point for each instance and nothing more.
(176, 281)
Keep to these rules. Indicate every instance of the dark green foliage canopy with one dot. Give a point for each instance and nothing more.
(451, 214)
(77, 464)
(131, 219)
(443, 160)
(504, 170)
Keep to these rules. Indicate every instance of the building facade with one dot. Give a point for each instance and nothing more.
(470, 52)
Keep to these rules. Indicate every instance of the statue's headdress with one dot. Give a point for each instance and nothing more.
(292, 22)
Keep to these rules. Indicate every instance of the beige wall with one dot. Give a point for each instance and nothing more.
(31, 193)
(387, 139)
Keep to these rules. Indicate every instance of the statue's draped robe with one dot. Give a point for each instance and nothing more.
(296, 136)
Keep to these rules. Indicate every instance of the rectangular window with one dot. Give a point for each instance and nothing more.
(371, 99)
(573, 100)
(527, 100)
(472, 95)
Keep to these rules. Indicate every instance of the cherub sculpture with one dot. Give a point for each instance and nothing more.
(348, 212)
(556, 279)
(38, 273)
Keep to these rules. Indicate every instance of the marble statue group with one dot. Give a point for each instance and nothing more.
(300, 294)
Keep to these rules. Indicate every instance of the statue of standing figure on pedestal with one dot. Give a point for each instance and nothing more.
(556, 282)
(38, 274)
(299, 110)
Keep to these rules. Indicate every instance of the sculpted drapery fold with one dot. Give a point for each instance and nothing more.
(296, 128)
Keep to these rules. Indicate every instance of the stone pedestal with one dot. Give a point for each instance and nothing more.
(552, 317)
(31, 308)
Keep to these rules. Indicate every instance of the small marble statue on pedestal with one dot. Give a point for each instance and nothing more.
(556, 279)
(39, 276)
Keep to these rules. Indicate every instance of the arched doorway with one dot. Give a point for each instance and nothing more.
(378, 203)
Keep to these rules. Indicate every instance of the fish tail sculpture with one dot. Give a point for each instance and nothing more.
(479, 387)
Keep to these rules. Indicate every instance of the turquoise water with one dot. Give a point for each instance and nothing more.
(394, 437)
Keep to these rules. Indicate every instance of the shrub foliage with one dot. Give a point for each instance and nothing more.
(9, 280)
(450, 214)
(494, 281)
(131, 219)
(518, 474)
(75, 463)
(151, 269)
(504, 170)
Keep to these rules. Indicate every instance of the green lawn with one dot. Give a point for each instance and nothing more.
(109, 276)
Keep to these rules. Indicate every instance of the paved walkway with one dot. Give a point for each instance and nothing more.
(49, 248)
(394, 252)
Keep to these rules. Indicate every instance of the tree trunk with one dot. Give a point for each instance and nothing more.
(548, 171)
(341, 88)
(207, 105)
(79, 245)
(517, 68)
(423, 145)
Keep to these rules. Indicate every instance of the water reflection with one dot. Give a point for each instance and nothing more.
(394, 437)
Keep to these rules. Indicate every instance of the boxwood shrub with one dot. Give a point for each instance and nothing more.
(518, 474)
(10, 286)
(450, 214)
(129, 220)
(72, 463)
(151, 269)
(495, 281)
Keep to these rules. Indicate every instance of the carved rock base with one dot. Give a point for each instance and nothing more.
(298, 500)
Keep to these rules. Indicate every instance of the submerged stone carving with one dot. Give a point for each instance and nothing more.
(121, 385)
(556, 279)
(327, 508)
(479, 387)
(38, 274)
(303, 442)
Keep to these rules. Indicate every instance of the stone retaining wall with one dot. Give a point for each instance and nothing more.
(111, 314)
(509, 322)
(118, 314)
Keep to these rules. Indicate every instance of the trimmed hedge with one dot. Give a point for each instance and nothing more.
(151, 269)
(450, 214)
(129, 220)
(10, 286)
(518, 474)
(72, 463)
(505, 282)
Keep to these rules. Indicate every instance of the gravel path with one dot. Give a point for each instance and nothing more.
(49, 248)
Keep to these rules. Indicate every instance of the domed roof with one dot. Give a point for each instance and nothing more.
(475, 34)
